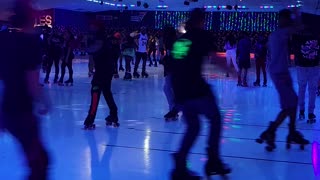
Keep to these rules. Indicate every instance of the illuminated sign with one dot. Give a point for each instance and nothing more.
(43, 21)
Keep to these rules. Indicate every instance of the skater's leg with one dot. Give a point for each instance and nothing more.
(63, 70)
(144, 61)
(138, 59)
(167, 89)
(95, 97)
(70, 69)
(228, 58)
(128, 60)
(154, 52)
(91, 64)
(302, 83)
(258, 67)
(193, 128)
(106, 90)
(245, 76)
(312, 87)
(56, 68)
(24, 127)
(149, 57)
(48, 70)
(263, 67)
(234, 60)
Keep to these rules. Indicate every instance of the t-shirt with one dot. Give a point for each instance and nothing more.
(104, 65)
(142, 43)
(187, 53)
(243, 49)
(307, 50)
(20, 53)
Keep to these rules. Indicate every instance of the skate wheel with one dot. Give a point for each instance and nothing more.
(269, 148)
(260, 141)
(288, 146)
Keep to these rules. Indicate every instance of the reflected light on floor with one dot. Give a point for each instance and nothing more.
(223, 55)
(146, 150)
(315, 158)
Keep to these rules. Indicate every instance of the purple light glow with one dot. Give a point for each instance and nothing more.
(315, 159)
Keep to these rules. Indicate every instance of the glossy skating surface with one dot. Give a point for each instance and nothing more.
(141, 147)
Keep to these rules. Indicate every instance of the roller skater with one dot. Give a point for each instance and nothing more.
(187, 53)
(67, 58)
(260, 57)
(280, 75)
(141, 53)
(103, 56)
(169, 38)
(307, 53)
(243, 56)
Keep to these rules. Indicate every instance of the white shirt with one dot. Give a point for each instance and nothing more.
(142, 43)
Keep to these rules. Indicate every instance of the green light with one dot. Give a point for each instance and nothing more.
(181, 48)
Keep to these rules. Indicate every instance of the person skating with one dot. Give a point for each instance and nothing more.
(243, 57)
(170, 37)
(231, 53)
(195, 97)
(101, 50)
(261, 57)
(279, 72)
(128, 52)
(307, 55)
(20, 74)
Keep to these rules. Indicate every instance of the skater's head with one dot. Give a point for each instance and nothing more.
(143, 30)
(23, 14)
(285, 18)
(196, 20)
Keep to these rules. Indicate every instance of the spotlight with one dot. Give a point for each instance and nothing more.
(229, 7)
(187, 3)
(138, 3)
(146, 5)
(101, 2)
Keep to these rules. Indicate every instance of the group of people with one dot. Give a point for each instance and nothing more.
(185, 88)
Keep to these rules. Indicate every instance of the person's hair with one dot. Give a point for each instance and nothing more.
(198, 14)
(231, 39)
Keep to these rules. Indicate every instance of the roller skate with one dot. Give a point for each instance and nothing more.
(89, 123)
(172, 115)
(215, 166)
(136, 75)
(239, 81)
(311, 118)
(127, 76)
(55, 81)
(116, 76)
(256, 84)
(121, 68)
(60, 82)
(268, 137)
(112, 121)
(296, 137)
(155, 64)
(181, 172)
(144, 74)
(46, 81)
(245, 84)
(301, 115)
(264, 84)
(69, 82)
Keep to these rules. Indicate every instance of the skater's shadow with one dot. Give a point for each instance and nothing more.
(100, 162)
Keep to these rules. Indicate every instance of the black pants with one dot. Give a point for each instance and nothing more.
(65, 64)
(128, 60)
(96, 90)
(261, 65)
(153, 52)
(56, 61)
(115, 59)
(191, 110)
(139, 56)
(24, 127)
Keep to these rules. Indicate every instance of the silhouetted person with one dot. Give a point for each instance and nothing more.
(19, 70)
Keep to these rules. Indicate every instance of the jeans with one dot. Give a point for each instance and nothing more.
(231, 55)
(168, 91)
(139, 56)
(307, 76)
(261, 65)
